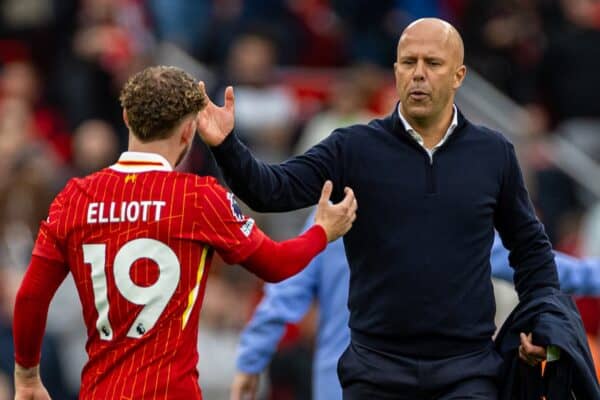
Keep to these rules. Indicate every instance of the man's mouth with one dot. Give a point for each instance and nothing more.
(418, 95)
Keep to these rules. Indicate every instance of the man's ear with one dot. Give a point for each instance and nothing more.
(189, 129)
(125, 119)
(459, 76)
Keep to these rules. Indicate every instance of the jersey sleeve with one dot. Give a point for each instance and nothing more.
(50, 242)
(218, 220)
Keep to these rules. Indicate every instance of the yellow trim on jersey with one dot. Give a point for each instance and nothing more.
(194, 293)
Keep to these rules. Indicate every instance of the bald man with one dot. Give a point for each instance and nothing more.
(431, 187)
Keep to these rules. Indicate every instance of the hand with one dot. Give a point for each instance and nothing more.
(28, 385)
(216, 123)
(529, 352)
(336, 219)
(244, 386)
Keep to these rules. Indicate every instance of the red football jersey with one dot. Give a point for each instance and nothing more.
(138, 239)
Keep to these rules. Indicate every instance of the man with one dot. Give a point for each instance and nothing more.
(432, 188)
(326, 281)
(139, 239)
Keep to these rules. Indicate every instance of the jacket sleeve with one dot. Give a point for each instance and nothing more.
(284, 302)
(293, 184)
(521, 232)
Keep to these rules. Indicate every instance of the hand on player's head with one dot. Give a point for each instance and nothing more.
(215, 123)
(336, 219)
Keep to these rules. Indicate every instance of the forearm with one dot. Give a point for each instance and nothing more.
(534, 262)
(283, 303)
(31, 309)
(268, 188)
(275, 261)
(523, 234)
(257, 344)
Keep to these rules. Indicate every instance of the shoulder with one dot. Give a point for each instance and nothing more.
(484, 133)
(69, 190)
(198, 182)
(202, 190)
(358, 132)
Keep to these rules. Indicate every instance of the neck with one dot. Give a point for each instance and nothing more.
(163, 147)
(431, 130)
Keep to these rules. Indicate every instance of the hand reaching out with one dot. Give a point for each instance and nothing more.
(336, 219)
(216, 123)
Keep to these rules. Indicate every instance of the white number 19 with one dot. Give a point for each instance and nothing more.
(154, 298)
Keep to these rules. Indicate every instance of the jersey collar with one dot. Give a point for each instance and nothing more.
(134, 161)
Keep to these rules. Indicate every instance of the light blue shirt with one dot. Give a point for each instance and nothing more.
(326, 280)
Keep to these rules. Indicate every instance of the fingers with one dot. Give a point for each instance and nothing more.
(354, 204)
(326, 192)
(240, 393)
(229, 98)
(202, 87)
(349, 198)
(529, 352)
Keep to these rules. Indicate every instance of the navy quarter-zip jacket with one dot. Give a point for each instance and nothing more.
(420, 246)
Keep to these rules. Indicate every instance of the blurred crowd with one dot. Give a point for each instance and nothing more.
(300, 68)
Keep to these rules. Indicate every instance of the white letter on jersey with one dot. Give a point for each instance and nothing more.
(92, 214)
(158, 205)
(133, 211)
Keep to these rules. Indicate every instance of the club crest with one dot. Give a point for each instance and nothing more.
(235, 208)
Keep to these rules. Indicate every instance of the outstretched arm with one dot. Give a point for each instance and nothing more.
(42, 279)
(273, 261)
(293, 184)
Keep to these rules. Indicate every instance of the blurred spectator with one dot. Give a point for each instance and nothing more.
(567, 82)
(27, 173)
(505, 39)
(346, 105)
(265, 110)
(19, 81)
(95, 146)
(322, 34)
(372, 28)
(184, 23)
(111, 40)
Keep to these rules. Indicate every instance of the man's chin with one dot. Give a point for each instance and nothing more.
(417, 112)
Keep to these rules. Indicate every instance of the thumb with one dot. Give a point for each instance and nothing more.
(326, 192)
(523, 338)
(229, 98)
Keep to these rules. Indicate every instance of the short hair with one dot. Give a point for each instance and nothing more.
(157, 98)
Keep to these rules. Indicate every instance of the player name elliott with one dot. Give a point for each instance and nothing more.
(124, 211)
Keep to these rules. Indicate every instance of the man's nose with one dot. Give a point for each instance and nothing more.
(419, 71)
